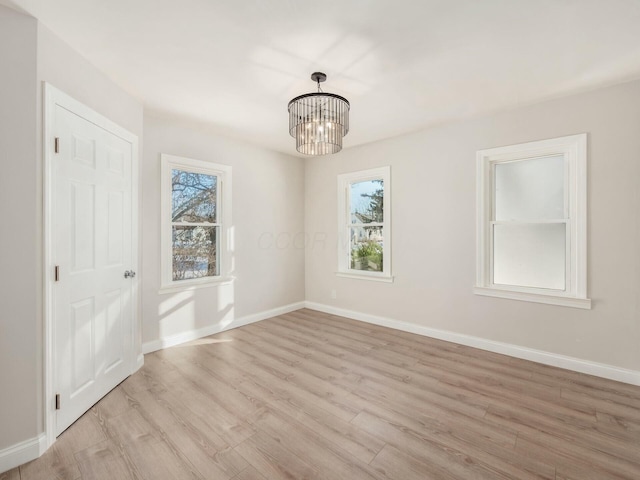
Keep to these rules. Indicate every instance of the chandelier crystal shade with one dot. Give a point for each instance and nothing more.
(318, 120)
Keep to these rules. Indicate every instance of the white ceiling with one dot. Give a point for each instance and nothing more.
(404, 64)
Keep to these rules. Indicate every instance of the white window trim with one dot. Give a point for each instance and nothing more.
(344, 180)
(574, 149)
(223, 172)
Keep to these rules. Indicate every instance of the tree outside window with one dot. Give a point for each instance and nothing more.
(364, 221)
(196, 216)
(194, 227)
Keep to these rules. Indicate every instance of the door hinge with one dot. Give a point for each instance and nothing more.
(56, 145)
(56, 273)
(57, 401)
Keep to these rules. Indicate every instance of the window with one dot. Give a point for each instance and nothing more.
(531, 231)
(363, 224)
(195, 217)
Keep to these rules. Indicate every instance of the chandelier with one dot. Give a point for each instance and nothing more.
(318, 120)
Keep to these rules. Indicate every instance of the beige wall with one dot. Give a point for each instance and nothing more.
(433, 205)
(20, 387)
(67, 70)
(267, 205)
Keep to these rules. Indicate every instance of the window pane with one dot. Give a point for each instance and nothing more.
(193, 197)
(530, 189)
(194, 252)
(366, 248)
(530, 255)
(367, 201)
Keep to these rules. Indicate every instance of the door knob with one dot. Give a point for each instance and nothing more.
(129, 274)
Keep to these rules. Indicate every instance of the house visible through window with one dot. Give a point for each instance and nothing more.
(364, 224)
(194, 218)
(532, 222)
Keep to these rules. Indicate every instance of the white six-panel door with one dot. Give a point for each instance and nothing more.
(91, 231)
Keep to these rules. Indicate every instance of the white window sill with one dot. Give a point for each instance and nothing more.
(584, 303)
(363, 276)
(188, 285)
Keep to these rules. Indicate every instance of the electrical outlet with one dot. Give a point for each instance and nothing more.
(334, 294)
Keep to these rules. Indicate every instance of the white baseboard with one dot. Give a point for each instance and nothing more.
(570, 363)
(190, 335)
(22, 452)
(139, 361)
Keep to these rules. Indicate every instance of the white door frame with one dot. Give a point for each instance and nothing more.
(52, 97)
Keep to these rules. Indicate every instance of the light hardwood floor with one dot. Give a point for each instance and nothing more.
(313, 396)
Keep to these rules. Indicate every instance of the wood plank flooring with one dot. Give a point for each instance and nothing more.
(313, 396)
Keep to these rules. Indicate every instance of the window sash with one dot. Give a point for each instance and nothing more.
(188, 272)
(567, 262)
(350, 226)
(573, 149)
(195, 224)
(493, 222)
(217, 225)
(345, 183)
(566, 185)
(197, 171)
(223, 198)
(362, 225)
